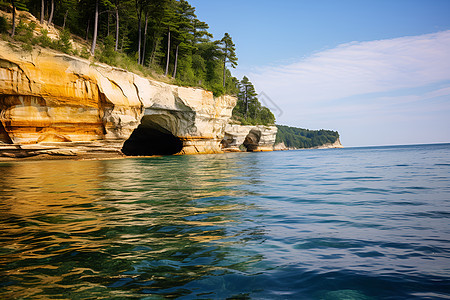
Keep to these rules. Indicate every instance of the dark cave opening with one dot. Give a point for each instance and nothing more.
(4, 136)
(149, 138)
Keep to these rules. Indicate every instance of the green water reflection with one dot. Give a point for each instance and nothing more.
(124, 228)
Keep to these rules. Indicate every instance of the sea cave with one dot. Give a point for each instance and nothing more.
(150, 138)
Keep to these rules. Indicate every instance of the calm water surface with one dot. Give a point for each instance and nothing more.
(356, 223)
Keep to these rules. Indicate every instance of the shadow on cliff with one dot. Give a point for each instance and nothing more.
(149, 138)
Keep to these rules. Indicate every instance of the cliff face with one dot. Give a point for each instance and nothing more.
(336, 144)
(251, 137)
(52, 99)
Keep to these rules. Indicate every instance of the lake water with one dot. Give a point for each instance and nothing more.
(356, 223)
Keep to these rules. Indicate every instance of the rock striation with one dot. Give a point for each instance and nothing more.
(249, 138)
(58, 101)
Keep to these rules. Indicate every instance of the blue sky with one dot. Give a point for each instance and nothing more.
(377, 71)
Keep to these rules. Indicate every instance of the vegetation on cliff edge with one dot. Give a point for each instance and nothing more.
(248, 110)
(162, 37)
(298, 138)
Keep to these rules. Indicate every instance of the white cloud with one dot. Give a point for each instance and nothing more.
(360, 68)
(377, 92)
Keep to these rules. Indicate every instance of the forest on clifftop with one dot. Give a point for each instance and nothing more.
(299, 138)
(157, 38)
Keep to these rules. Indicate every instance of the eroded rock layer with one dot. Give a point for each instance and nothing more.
(336, 144)
(56, 100)
(249, 137)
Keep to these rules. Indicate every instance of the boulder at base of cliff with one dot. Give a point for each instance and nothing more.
(251, 137)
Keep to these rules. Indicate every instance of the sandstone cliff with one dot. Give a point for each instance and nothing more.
(336, 144)
(59, 101)
(249, 137)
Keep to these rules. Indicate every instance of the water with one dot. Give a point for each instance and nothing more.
(357, 223)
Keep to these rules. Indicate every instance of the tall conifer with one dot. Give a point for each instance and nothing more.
(229, 54)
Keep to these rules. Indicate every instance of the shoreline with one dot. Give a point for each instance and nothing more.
(110, 156)
(48, 157)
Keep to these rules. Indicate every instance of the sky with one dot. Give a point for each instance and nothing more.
(377, 71)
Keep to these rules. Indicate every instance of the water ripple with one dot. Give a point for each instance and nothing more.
(362, 223)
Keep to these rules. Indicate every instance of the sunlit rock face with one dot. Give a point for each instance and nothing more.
(249, 137)
(193, 115)
(336, 144)
(48, 97)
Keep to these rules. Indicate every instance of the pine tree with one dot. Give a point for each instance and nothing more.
(42, 11)
(52, 10)
(170, 24)
(157, 29)
(67, 11)
(229, 54)
(16, 4)
(183, 37)
(116, 10)
(247, 95)
(248, 108)
(200, 32)
(94, 38)
(13, 32)
(142, 8)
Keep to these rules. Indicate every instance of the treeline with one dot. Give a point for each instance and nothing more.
(248, 110)
(164, 36)
(293, 137)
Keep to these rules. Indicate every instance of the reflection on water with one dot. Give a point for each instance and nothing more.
(121, 228)
(363, 223)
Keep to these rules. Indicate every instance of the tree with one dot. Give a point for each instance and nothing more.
(16, 4)
(13, 31)
(248, 109)
(42, 11)
(169, 23)
(140, 6)
(144, 44)
(94, 38)
(247, 95)
(200, 32)
(116, 10)
(150, 9)
(158, 8)
(67, 11)
(52, 9)
(229, 54)
(184, 16)
(266, 116)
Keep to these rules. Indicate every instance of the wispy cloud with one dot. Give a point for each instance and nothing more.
(363, 67)
(394, 76)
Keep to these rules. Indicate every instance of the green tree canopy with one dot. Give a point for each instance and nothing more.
(228, 54)
(151, 36)
(299, 138)
(248, 109)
